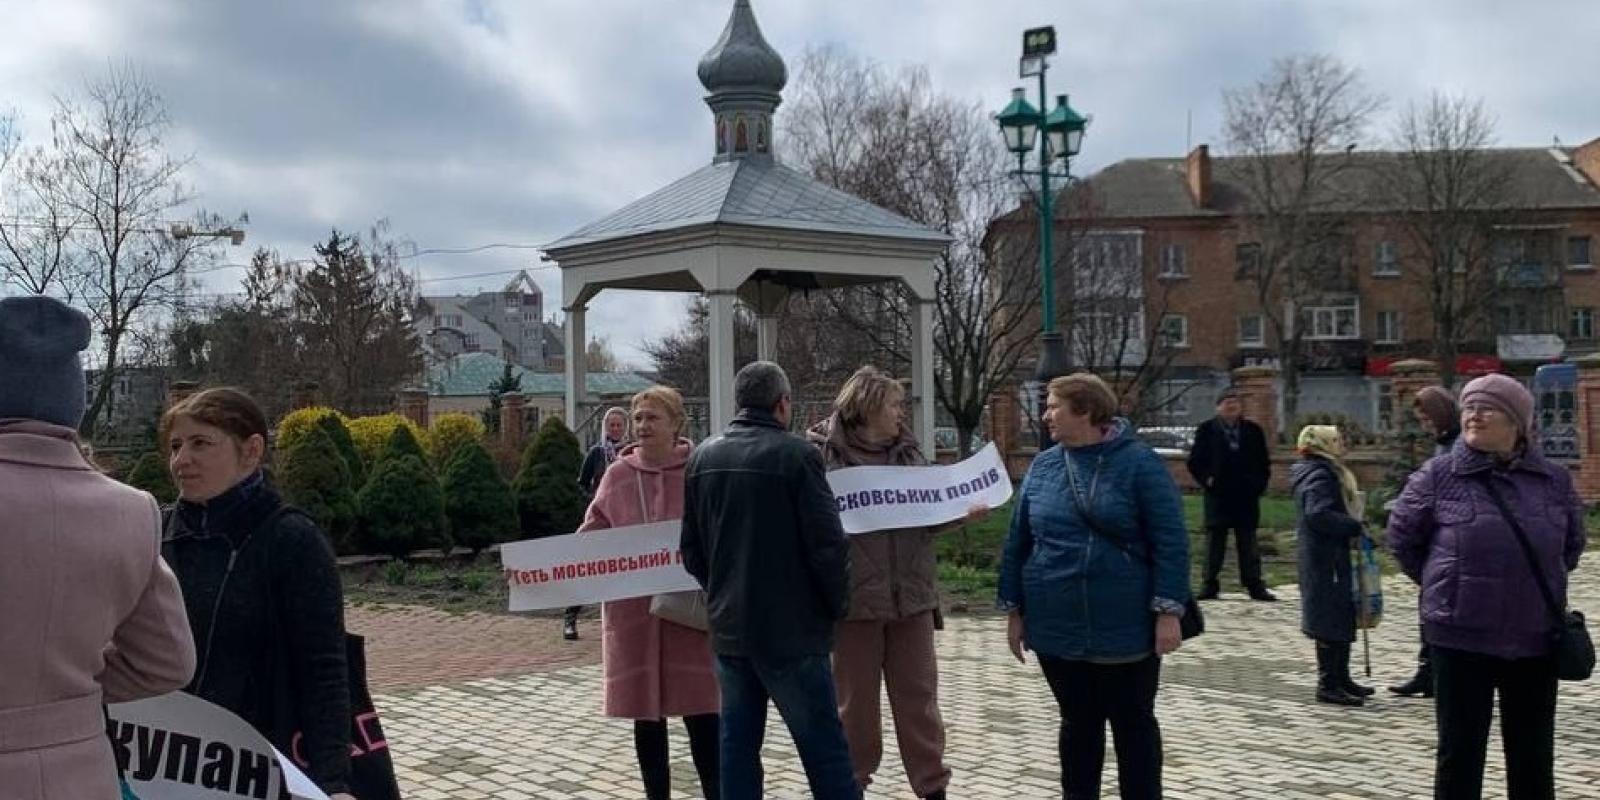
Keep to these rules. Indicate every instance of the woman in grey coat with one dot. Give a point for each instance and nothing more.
(1325, 495)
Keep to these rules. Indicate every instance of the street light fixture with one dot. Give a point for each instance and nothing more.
(1020, 123)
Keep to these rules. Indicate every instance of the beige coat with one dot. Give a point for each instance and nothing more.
(89, 613)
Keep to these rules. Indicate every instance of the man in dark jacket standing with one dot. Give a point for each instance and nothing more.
(761, 533)
(1230, 462)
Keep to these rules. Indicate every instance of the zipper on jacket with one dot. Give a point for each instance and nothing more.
(211, 629)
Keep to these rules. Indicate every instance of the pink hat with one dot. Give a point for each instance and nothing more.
(1504, 394)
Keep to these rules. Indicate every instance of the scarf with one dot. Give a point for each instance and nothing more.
(1324, 441)
(609, 449)
(1230, 431)
(844, 446)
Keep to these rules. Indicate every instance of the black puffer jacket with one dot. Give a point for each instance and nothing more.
(269, 631)
(761, 533)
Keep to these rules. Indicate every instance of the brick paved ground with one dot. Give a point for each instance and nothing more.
(1236, 707)
(413, 646)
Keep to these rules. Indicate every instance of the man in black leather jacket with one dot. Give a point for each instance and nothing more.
(761, 533)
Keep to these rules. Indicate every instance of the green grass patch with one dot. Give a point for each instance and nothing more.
(457, 585)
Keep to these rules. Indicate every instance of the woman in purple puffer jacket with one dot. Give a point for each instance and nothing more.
(1482, 611)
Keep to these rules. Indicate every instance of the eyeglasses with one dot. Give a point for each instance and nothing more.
(1475, 410)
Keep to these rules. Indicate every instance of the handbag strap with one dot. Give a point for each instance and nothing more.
(1094, 524)
(1556, 609)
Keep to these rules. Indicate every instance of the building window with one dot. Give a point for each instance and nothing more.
(1173, 264)
(1582, 323)
(1252, 332)
(1388, 328)
(1333, 321)
(1247, 260)
(513, 303)
(469, 342)
(1387, 261)
(1174, 330)
(1578, 255)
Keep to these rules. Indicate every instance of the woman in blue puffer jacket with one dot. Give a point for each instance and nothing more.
(1095, 575)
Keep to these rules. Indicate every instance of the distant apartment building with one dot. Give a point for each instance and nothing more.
(1179, 231)
(507, 324)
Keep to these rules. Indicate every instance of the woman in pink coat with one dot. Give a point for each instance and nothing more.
(91, 614)
(655, 669)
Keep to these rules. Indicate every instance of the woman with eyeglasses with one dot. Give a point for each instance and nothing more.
(1483, 612)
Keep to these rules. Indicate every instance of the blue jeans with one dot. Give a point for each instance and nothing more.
(802, 689)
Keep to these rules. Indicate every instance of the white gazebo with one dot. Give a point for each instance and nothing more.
(748, 228)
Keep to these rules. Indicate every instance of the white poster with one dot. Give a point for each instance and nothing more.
(879, 498)
(179, 747)
(595, 566)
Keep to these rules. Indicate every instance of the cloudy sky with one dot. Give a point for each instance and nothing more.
(473, 122)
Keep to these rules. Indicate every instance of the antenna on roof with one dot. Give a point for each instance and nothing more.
(1557, 140)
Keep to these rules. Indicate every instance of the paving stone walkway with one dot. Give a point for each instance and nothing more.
(1235, 705)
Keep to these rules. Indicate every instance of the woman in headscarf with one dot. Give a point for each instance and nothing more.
(1326, 508)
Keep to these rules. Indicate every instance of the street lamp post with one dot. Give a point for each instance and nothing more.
(1063, 128)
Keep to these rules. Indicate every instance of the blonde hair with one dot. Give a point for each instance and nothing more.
(1086, 393)
(864, 393)
(668, 399)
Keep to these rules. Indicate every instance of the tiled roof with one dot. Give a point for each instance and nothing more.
(1156, 187)
(753, 192)
(470, 374)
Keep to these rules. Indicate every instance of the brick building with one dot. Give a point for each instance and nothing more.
(1183, 226)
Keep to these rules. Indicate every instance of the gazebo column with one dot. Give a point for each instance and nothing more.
(767, 337)
(720, 367)
(922, 372)
(577, 369)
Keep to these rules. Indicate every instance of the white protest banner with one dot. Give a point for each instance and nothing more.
(880, 498)
(596, 566)
(179, 747)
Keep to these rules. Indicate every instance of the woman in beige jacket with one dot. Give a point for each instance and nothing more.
(91, 614)
(894, 598)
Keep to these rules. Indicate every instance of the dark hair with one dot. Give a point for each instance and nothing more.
(760, 385)
(1086, 393)
(235, 412)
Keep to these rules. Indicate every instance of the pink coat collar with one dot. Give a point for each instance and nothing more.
(40, 444)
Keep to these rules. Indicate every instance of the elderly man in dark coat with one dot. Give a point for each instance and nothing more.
(1230, 462)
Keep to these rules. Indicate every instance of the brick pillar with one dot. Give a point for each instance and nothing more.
(1589, 427)
(1005, 420)
(513, 418)
(1410, 376)
(1259, 394)
(306, 395)
(180, 391)
(413, 405)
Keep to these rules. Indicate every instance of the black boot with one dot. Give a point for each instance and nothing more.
(939, 795)
(1210, 592)
(1348, 683)
(1421, 684)
(1330, 672)
(1261, 594)
(569, 626)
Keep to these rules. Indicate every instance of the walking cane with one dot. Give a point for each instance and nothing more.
(1361, 607)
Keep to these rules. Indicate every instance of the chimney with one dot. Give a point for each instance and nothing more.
(1197, 172)
(1587, 159)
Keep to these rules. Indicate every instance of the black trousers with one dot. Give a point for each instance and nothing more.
(1249, 556)
(1090, 695)
(1465, 685)
(650, 742)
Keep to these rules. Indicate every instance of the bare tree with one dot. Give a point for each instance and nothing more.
(891, 139)
(1450, 191)
(111, 182)
(36, 227)
(1291, 132)
(1122, 325)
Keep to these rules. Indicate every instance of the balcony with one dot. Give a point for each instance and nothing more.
(1528, 276)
